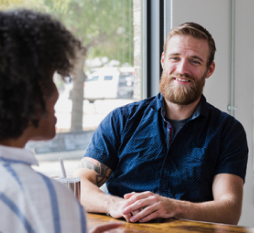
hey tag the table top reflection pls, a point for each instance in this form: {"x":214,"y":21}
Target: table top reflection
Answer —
{"x":169,"y":225}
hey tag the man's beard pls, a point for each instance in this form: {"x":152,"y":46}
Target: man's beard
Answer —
{"x":181,"y":94}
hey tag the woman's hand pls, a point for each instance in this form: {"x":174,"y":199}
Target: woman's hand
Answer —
{"x":106,"y":227}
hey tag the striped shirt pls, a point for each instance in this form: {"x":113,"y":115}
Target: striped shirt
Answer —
{"x":32,"y":202}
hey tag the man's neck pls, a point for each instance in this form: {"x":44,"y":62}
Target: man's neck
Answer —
{"x":180,"y":112}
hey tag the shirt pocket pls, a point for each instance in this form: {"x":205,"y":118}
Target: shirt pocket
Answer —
{"x":146,"y":148}
{"x":143,"y":143}
{"x":201,"y":154}
{"x":142,"y":155}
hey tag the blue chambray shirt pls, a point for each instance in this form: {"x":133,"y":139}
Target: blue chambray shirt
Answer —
{"x":134,"y":141}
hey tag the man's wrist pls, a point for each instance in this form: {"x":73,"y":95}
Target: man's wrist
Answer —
{"x":113,"y":204}
{"x":181,"y":208}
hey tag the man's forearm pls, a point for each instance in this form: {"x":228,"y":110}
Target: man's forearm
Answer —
{"x":93,"y":174}
{"x":95,"y":200}
{"x":151,"y":206}
{"x":220,"y":211}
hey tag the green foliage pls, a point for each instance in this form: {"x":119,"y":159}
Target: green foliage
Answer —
{"x":57,"y":7}
{"x":30,"y":4}
{"x":105,"y":27}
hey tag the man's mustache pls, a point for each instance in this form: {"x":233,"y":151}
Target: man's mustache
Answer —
{"x":177,"y":75}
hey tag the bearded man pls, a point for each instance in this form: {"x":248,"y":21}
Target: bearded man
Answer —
{"x":172,"y":155}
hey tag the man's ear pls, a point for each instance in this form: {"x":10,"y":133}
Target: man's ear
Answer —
{"x":162,"y":60}
{"x":210,"y":70}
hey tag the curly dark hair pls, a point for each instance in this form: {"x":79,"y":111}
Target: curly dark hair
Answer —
{"x":32,"y":46}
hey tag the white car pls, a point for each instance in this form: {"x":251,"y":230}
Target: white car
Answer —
{"x":109,"y":83}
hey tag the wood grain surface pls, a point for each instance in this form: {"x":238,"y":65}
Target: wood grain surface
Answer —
{"x":169,"y":225}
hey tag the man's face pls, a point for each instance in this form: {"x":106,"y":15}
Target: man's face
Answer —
{"x":184,"y":69}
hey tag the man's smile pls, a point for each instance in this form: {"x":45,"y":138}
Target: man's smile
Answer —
{"x":182,"y":80}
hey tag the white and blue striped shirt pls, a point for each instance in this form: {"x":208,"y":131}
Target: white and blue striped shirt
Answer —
{"x":32,"y":202}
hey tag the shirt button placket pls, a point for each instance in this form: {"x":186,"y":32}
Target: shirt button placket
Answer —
{"x":164,"y":183}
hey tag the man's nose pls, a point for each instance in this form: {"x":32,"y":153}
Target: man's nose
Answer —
{"x":183,"y":67}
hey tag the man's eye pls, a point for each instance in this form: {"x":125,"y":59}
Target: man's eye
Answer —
{"x":195,"y":62}
{"x":174,"y":58}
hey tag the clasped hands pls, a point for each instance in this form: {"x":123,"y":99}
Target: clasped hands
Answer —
{"x":145,"y":206}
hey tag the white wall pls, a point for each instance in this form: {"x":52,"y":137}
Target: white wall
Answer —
{"x":216,"y":17}
{"x":244,"y":71}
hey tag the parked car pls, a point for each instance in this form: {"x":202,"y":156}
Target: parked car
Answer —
{"x":109,"y":83}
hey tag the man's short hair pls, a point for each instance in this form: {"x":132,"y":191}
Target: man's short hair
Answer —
{"x":197,"y":31}
{"x":32,"y":46}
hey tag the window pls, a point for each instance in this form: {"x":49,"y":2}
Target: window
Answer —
{"x":106,"y":77}
{"x":94,"y":78}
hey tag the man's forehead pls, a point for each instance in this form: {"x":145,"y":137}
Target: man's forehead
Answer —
{"x":180,"y":43}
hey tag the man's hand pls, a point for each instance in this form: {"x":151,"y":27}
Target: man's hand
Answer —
{"x":146,"y":206}
{"x":116,"y":210}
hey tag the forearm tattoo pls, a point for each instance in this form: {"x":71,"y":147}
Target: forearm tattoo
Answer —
{"x":102,"y":170}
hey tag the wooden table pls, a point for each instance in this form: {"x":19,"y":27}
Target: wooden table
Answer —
{"x":170,"y":225}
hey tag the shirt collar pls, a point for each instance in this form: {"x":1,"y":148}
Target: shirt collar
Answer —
{"x":17,"y":155}
{"x":201,"y":109}
{"x":159,"y":101}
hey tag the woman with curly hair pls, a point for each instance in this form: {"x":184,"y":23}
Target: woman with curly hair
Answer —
{"x":32,"y":47}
